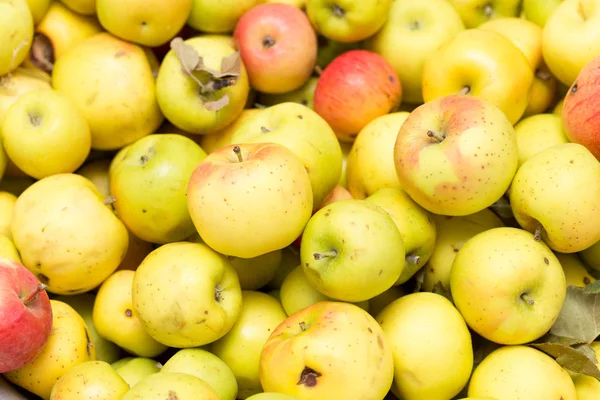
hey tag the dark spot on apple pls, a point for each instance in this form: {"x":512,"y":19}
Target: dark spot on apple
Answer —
{"x":586,"y":280}
{"x":574,"y":88}
{"x":370,"y":330}
{"x":43,"y":278}
{"x":308,"y":377}
{"x":144,"y":23}
{"x":299,"y":117}
{"x":201,"y":321}
{"x":128,"y":313}
{"x":571,"y":161}
{"x":35,"y":119}
{"x":414,"y":25}
{"x":338,"y":11}
{"x":391,"y":79}
{"x":304,"y":102}
{"x":38,"y":264}
{"x":380,"y":341}
{"x":89,"y":343}
{"x":218,"y":293}
{"x":303,"y":326}
{"x":546,"y":261}
{"x":120,"y":53}
{"x":380,"y":272}
{"x":172,"y":395}
{"x":268,"y":42}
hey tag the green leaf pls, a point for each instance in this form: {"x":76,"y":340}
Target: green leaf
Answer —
{"x":579,"y":317}
{"x":442,"y":290}
{"x":569,"y":358}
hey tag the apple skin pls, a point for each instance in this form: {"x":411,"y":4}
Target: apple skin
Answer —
{"x":538,"y":132}
{"x":588,"y":387}
{"x":576,"y":273}
{"x":580,"y":115}
{"x":330,"y":350}
{"x":591,"y":256}
{"x":176,"y":385}
{"x":518,"y":282}
{"x":475,"y":12}
{"x":16,"y":29}
{"x":278,"y":47}
{"x":134,"y":369}
{"x":538,"y":11}
{"x":19,"y":82}
{"x":355,"y":88}
{"x":235,"y":193}
{"x":27,"y":316}
{"x":303,"y":95}
{"x":218,"y":17}
{"x":470,"y":169}
{"x":222,"y":138}
{"x":91,"y":379}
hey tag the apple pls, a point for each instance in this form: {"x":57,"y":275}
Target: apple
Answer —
{"x":352,"y":250}
{"x":84,"y":7}
{"x":306,"y":134}
{"x":175,"y":385}
{"x":19,"y":82}
{"x":146,"y":23}
{"x":347,"y":20}
{"x":97,"y":172}
{"x":134,"y":369}
{"x":218,"y":17}
{"x":498,"y":71}
{"x":456,"y":155}
{"x":543,"y":92}
{"x":542,"y":202}
{"x":259,"y":317}
{"x":27,"y":321}
{"x":90,"y":379}
{"x":200,"y":102}
{"x":576,"y":273}
{"x":7,"y":206}
{"x":222,"y":138}
{"x":381,"y":301}
{"x":303,"y":95}
{"x":8,"y":249}
{"x":476,"y":12}
{"x":517,"y":371}
{"x":330,"y":350}
{"x":587,"y":387}
{"x":538,"y":11}
{"x":272,"y":396}
{"x":427,"y":365}
{"x":290,"y":259}
{"x":38,"y":9}
{"x":346,"y":147}
{"x":88,"y":75}
{"x":41,"y":120}
{"x":518,"y":282}
{"x":237,"y":190}
{"x":591,"y":256}
{"x":417,"y":28}
{"x":186,"y":295}
{"x":16,"y":27}
{"x":278,"y":47}
{"x":538,"y":132}
{"x":329,"y":49}
{"x":355,"y":88}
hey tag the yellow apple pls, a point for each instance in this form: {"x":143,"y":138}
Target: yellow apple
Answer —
{"x":290,"y":259}
{"x":171,"y":386}
{"x":591,"y":256}
{"x":588,"y":387}
{"x":538,"y":132}
{"x":8,"y":249}
{"x":557,"y":110}
{"x":134,"y":369}
{"x":476,"y":12}
{"x":84,"y":7}
{"x":91,"y":379}
{"x":576,"y":273}
{"x":38,"y":9}
{"x":17,"y":83}
{"x":97,"y":172}
{"x":16,"y":29}
{"x":272,"y":395}
{"x":218,"y":17}
{"x":346,"y":147}
{"x":379,"y":302}
{"x":7,"y":205}
{"x":222,"y":138}
{"x":538,"y":11}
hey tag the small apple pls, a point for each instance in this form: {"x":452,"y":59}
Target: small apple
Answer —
{"x":303,"y":95}
{"x":91,"y":379}
{"x":134,"y":369}
{"x":329,"y":50}
{"x":171,"y":386}
{"x":16,"y":29}
{"x":222,"y":138}
{"x":476,"y":12}
{"x":97,"y":172}
{"x":538,"y":132}
{"x":576,"y":273}
{"x":538,"y":11}
{"x":591,"y":256}
{"x":543,"y":92}
{"x":218,"y":17}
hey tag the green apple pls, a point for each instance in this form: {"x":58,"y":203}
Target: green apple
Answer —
{"x":346,"y":147}
{"x":91,"y":379}
{"x":591,"y":256}
{"x":427,"y":365}
{"x":218,"y":17}
{"x":417,"y":28}
{"x":186,"y":295}
{"x":304,"y":132}
{"x":171,"y":386}
{"x":16,"y":29}
{"x":148,"y":180}
{"x":237,"y":191}
{"x":542,"y":200}
{"x":201,"y":109}
{"x":538,"y":132}
{"x":370,"y":162}
{"x":415,"y":225}
{"x":347,"y":20}
{"x":518,"y":283}
{"x":576,"y":273}
{"x":456,"y":155}
{"x":476,"y":12}
{"x":352,"y":250}
{"x":241,"y":347}
{"x":330,"y":350}
{"x":290,"y":259}
{"x":215,"y":141}
{"x":206,"y":366}
{"x":588,"y":387}
{"x":134,"y":369}
{"x":303,"y":95}
{"x":512,"y":372}
{"x":116,"y":320}
{"x":451,"y":234}
{"x":148,"y":23}
{"x":538,"y":11}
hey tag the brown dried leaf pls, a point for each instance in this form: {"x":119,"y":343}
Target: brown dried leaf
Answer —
{"x":216,"y":105}
{"x":188,"y":57}
{"x":570,"y":358}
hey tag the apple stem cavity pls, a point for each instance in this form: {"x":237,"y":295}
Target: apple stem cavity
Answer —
{"x":488,"y":11}
{"x":327,"y":254}
{"x":42,"y":52}
{"x":413,"y":259}
{"x":218,"y":294}
{"x":308,"y":377}
{"x":437,"y":136}
{"x":268,"y":42}
{"x":338,"y":11}
{"x":34,"y":119}
{"x":465,"y":90}
{"x":34,"y":294}
{"x":527,"y":299}
{"x":238,"y":152}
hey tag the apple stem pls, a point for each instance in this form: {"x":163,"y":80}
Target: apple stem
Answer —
{"x":303,"y":326}
{"x":466,"y":90}
{"x":238,"y":152}
{"x":527,"y":299}
{"x":436,"y":136}
{"x":537,"y":235}
{"x":488,"y":11}
{"x":34,"y":294}
{"x":318,"y":70}
{"x":413,"y":259}
{"x":330,"y":253}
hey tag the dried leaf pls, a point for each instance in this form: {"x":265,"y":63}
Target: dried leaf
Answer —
{"x":569,"y":358}
{"x":216,"y":105}
{"x":442,"y":290}
{"x":579,"y":317}
{"x":188,"y":57}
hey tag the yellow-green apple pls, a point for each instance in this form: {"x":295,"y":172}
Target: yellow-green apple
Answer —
{"x":543,"y":92}
{"x":303,"y":95}
{"x":19,"y":82}
{"x":427,"y":365}
{"x":330,"y":49}
{"x":306,"y":134}
{"x":134,"y":369}
{"x":218,"y":17}
{"x":576,"y":273}
{"x":175,"y":385}
{"x":116,"y":320}
{"x":538,"y":132}
{"x":27,"y":315}
{"x":370,"y":162}
{"x":236,"y":191}
{"x":16,"y":29}
{"x":148,"y":181}
{"x":518,"y":282}
{"x":415,"y":224}
{"x":84,"y":7}
{"x":381,"y":301}
{"x":579,"y":108}
{"x":346,"y":147}
{"x":88,"y":74}
{"x":66,"y":235}
{"x":451,"y":234}
{"x":7,"y":206}
{"x":591,"y":256}
{"x":290,"y":259}
{"x":352,"y":250}
{"x":260,"y":316}
{"x":194,"y":99}
{"x":347,"y":20}
{"x":8,"y":249}
{"x":456,"y":155}
{"x":278,"y":46}
{"x":206,"y":366}
{"x":40,"y":120}
{"x":38,"y":9}
{"x":222,"y":138}
{"x":272,"y":395}
{"x":569,"y":38}
{"x":328,"y":350}
{"x":69,"y":344}
{"x":417,"y":28}
{"x":97,"y":172}
{"x":476,"y":12}
{"x":483,"y":64}
{"x":146,"y":23}
{"x":542,"y":201}
{"x":559,"y":107}
{"x":588,"y":387}
{"x":91,"y":379}
{"x":355,"y":88}
{"x":186,"y":294}
{"x":538,"y":11}
{"x":512,"y":372}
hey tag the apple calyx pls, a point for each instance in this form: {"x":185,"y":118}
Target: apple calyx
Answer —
{"x":218,"y":294}
{"x":412,"y":259}
{"x":303,"y":326}
{"x":34,"y":119}
{"x":527,"y":298}
{"x":238,"y":152}
{"x":414,"y":25}
{"x":268,"y":42}
{"x":41,"y":53}
{"x":34,"y":294}
{"x":308,"y":377}
{"x":128,"y":313}
{"x":338,"y":11}
{"x":328,"y":254}
{"x":437,"y":136}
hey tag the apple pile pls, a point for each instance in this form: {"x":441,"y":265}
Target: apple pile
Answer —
{"x":300,"y":199}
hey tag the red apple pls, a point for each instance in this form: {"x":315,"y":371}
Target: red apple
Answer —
{"x":278,"y":46}
{"x":355,"y":88}
{"x":581,"y":108}
{"x":25,"y":315}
